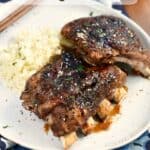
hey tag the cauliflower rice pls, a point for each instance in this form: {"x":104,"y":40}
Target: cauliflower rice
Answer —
{"x":30,"y":51}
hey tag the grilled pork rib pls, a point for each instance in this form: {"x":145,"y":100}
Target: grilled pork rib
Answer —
{"x":70,"y":92}
{"x":106,"y":39}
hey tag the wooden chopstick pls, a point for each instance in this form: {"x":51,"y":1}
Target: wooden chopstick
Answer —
{"x":22,"y":10}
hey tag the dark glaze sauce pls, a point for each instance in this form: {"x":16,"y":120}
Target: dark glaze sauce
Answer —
{"x":115,"y":111}
{"x":46,"y":128}
{"x":100,"y":126}
{"x":70,"y":92}
{"x":108,"y":121}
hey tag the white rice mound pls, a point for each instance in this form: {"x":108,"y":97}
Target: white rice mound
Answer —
{"x":28,"y":53}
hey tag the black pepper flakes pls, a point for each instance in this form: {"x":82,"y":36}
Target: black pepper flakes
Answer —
{"x":21,"y":112}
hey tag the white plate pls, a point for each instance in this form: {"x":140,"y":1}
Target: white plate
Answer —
{"x":23,"y":129}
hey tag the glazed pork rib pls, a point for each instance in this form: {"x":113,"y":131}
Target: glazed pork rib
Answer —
{"x":68,"y":93}
{"x":106,"y":39}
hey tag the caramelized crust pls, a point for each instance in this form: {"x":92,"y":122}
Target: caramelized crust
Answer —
{"x":106,"y":40}
{"x":70,"y":92}
{"x":101,"y":37}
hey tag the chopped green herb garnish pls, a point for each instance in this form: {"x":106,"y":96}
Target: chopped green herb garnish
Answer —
{"x":80,"y":68}
{"x":5,"y":50}
{"x":23,"y":58}
{"x":69,"y":78}
{"x":19,"y":54}
{"x":14,"y":63}
{"x":91,"y":13}
{"x":72,"y":97}
{"x":87,"y":24}
{"x":35,"y":102}
{"x":4,"y":127}
{"x":19,"y":48}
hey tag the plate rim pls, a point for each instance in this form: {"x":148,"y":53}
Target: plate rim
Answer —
{"x":98,"y":6}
